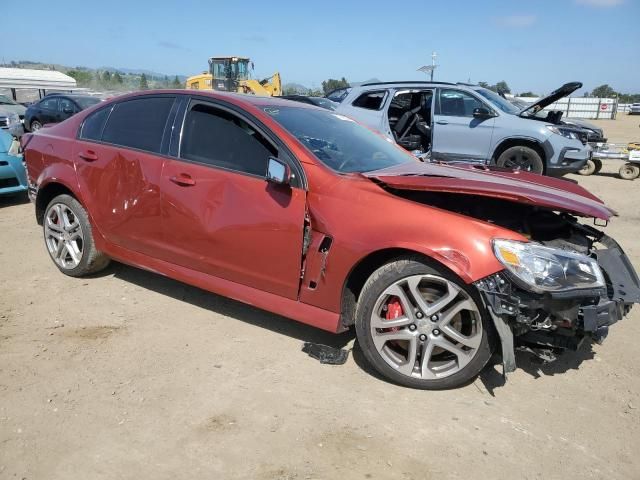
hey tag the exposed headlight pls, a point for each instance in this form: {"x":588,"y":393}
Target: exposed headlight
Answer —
{"x":565,"y":132}
{"x":544,"y":269}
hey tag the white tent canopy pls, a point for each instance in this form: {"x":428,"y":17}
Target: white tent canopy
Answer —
{"x":37,"y":79}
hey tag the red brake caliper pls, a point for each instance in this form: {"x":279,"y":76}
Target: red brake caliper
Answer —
{"x":394,"y":309}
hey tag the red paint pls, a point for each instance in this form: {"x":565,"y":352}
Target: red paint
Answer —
{"x":241,"y":237}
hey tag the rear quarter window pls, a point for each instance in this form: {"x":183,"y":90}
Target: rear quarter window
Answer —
{"x":371,"y":100}
{"x":94,"y":124}
{"x":138,"y":123}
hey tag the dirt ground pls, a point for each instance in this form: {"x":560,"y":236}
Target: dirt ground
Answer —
{"x":131,"y":375}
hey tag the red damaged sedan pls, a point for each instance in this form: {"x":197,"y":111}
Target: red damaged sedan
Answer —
{"x":305,"y":213}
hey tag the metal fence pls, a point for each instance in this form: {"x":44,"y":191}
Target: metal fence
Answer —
{"x":582,"y":107}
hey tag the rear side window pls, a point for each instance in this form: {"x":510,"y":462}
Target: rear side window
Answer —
{"x":138,"y":123}
{"x":218,"y":138}
{"x":49,"y":104}
{"x":371,"y":100}
{"x":94,"y":124}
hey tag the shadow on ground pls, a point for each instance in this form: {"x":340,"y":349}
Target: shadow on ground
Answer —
{"x":226,"y":306}
{"x":12,"y":200}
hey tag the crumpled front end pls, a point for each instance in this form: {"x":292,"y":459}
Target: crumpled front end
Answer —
{"x":547,"y":324}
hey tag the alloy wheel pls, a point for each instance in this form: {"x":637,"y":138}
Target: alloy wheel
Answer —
{"x":63,"y":236}
{"x":426,"y":327}
{"x":519,"y":161}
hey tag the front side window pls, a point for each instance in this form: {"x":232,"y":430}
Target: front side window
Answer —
{"x":456,"y":103}
{"x":337,"y":141}
{"x":216,"y":137}
{"x":138,"y":123}
{"x":371,"y":100}
{"x":66,"y":106}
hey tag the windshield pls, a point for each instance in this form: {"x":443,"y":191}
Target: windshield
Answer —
{"x":337,"y":141}
{"x":86,"y":102}
{"x":4,"y":100}
{"x":502,"y":103}
{"x":324,"y":103}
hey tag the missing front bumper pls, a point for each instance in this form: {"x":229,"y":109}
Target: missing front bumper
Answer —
{"x":547,"y":324}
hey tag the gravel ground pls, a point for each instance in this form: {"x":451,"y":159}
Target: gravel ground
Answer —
{"x":131,"y":375}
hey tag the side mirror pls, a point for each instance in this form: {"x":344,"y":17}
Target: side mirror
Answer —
{"x":482,"y":113}
{"x":278,"y":172}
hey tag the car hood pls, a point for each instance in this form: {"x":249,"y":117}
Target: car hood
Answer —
{"x":468,"y":179}
{"x":11,"y":108}
{"x":563,"y":91}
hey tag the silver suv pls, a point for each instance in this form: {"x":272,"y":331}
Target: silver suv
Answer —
{"x":461,"y":122}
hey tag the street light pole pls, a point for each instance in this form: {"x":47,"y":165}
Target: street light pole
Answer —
{"x":433,"y":63}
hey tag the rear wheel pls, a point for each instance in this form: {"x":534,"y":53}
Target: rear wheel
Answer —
{"x":589,"y":168}
{"x":521,"y":158}
{"x":629,"y":171}
{"x":421,"y":327}
{"x":69,"y":240}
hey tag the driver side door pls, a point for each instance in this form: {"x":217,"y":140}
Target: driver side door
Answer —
{"x":456,"y":134}
{"x":220,"y":215}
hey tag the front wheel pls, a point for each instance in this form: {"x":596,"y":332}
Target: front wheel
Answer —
{"x":35,"y":125}
{"x":422,"y":327}
{"x":521,"y":158}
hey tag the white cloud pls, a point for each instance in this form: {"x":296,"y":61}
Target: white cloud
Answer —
{"x":600,"y":3}
{"x":517,"y":21}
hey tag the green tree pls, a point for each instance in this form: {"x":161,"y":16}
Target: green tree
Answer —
{"x":176,"y":83}
{"x":333,"y":84}
{"x":144,"y":84}
{"x":502,"y":87}
{"x":484,"y":85}
{"x":106,"y":78}
{"x":83,"y":77}
{"x":603,"y":91}
{"x":117,"y":78}
{"x":528,"y":94}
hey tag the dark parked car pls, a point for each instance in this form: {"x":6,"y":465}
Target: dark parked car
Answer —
{"x":56,"y":108}
{"x":317,"y":101}
{"x":308,"y":214}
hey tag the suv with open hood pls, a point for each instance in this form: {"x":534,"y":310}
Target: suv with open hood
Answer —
{"x":460,"y":122}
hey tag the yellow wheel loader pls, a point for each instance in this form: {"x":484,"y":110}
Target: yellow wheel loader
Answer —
{"x":231,"y":74}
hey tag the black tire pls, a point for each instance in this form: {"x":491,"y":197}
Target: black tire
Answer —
{"x":521,"y":158}
{"x":629,"y":171}
{"x":588,"y":169}
{"x":92,"y":260}
{"x":375,"y":287}
{"x":598,"y":164}
{"x":35,"y":125}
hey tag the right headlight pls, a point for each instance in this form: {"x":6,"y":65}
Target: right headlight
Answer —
{"x":545,"y":269}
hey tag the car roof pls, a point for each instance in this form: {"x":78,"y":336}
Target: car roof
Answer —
{"x":240,"y":99}
{"x":405,"y":82}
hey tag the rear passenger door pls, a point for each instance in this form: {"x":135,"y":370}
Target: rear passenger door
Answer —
{"x":48,"y":110}
{"x":456,"y":134}
{"x":220,"y":215}
{"x":119,"y":161}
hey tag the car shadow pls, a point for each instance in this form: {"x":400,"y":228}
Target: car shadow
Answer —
{"x":226,"y":306}
{"x":13,"y":200}
{"x":492,"y":377}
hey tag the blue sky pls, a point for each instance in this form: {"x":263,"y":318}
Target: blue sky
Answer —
{"x":533,"y":45}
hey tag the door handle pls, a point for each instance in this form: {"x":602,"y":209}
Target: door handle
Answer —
{"x":183,"y":180}
{"x":89,"y":156}
{"x":442,"y":122}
